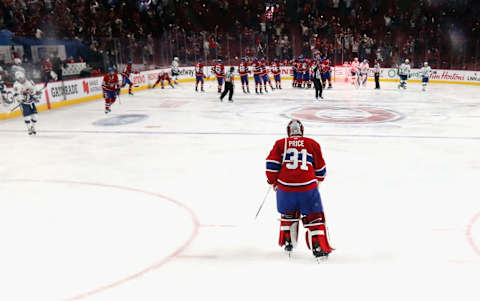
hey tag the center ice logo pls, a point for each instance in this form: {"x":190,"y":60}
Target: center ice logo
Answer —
{"x":121,"y":120}
{"x":357,"y":114}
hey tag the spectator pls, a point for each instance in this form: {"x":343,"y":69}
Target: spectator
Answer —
{"x":57,"y":65}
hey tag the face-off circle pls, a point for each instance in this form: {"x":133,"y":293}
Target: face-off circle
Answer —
{"x":356,"y":114}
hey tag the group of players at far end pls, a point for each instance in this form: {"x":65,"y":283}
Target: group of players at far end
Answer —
{"x":303,"y":73}
{"x":260,"y":69}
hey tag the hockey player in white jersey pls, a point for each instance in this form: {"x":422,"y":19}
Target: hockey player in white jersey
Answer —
{"x":175,"y":70}
{"x":404,"y":73}
{"x":426,"y":71}
{"x":363,"y":69}
{"x":16,"y":67}
{"x":25,"y":94}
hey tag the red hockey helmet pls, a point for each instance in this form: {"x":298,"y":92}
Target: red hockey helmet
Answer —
{"x":295,"y":128}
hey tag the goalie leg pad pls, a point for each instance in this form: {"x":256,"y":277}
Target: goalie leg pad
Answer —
{"x":289,"y":228}
{"x":316,"y":234}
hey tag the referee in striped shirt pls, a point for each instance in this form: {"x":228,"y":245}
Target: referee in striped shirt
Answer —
{"x":228,"y":85}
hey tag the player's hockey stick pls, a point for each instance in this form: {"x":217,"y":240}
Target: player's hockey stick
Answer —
{"x":14,"y":108}
{"x":118,"y":96}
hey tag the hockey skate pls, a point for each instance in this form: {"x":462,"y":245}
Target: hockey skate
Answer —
{"x":107,"y":110}
{"x":319,"y":254}
{"x":288,"y":247}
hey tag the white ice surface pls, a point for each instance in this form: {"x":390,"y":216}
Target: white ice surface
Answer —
{"x":91,"y":212}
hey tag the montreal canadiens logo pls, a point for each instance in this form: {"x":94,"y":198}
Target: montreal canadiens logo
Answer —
{"x":357,"y":114}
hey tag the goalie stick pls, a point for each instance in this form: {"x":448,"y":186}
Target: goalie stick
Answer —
{"x":270,"y":187}
{"x":263,"y":202}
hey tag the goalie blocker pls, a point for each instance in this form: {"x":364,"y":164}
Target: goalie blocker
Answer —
{"x":294,"y":167}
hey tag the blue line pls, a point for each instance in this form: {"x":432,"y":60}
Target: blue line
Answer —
{"x":244,"y":134}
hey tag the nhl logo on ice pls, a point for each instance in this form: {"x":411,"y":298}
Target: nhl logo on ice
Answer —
{"x":355,"y":114}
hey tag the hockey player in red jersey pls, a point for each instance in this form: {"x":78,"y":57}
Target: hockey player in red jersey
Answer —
{"x":301,"y":72}
{"x":326,"y":74}
{"x":264,"y":75}
{"x":257,"y":70}
{"x":219,"y":70}
{"x":243,"y":71}
{"x":294,"y":167}
{"x":199,"y":75}
{"x":276,"y":73}
{"x":111,"y":88}
{"x":126,"y":77}
{"x":163,"y":76}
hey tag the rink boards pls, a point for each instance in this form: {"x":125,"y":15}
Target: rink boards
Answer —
{"x":60,"y":94}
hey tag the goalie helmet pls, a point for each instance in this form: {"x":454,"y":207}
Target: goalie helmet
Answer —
{"x":425,"y":64}
{"x":295,"y":128}
{"x":407,"y":61}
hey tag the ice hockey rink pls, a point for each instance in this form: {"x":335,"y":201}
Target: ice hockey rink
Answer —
{"x":156,"y":201}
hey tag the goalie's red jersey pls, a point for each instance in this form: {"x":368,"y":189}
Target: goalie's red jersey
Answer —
{"x":302,"y":168}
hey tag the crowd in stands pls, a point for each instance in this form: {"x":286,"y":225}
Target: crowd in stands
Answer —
{"x":444,"y":32}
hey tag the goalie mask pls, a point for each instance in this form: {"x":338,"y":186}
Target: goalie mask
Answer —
{"x":295,"y":128}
